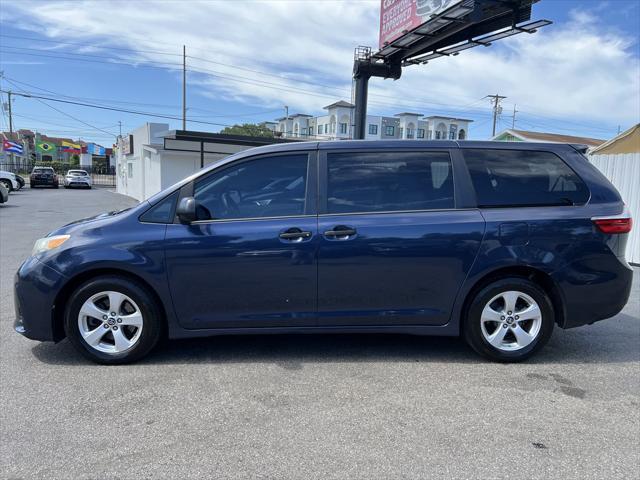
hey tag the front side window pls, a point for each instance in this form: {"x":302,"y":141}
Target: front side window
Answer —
{"x":389,"y":181}
{"x":510,"y":178}
{"x":264,"y":187}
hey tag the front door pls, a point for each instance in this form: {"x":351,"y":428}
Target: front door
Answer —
{"x":250,"y":258}
{"x":393,"y":249}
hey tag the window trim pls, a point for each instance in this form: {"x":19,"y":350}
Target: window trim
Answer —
{"x":463,"y":160}
{"x":323,"y":178}
{"x":311,"y":194}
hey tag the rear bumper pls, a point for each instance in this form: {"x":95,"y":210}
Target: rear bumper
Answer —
{"x":594,"y":289}
{"x":35,"y":288}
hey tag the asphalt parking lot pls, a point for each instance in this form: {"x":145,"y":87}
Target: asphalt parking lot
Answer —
{"x":303,"y":407}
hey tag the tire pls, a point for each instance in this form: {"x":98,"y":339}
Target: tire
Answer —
{"x":7,"y":184}
{"x":81,"y":329}
{"x":511,"y":337}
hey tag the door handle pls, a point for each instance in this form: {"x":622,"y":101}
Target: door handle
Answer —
{"x":340,"y":231}
{"x":294,"y":234}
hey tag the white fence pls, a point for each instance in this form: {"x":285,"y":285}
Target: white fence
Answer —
{"x":623,"y":170}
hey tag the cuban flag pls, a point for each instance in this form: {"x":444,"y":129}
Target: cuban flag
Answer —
{"x":12,"y":147}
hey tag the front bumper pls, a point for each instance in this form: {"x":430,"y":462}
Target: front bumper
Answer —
{"x":36,"y":286}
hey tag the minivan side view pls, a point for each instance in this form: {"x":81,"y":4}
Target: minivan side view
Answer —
{"x":494,"y":242}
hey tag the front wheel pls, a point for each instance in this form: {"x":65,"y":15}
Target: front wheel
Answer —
{"x":8,"y":185}
{"x":509,"y":320}
{"x":113,"y":320}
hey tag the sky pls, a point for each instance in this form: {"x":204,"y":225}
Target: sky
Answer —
{"x":247,"y":59}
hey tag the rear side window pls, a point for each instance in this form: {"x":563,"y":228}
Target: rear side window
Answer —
{"x":389,"y":181}
{"x":512,"y":178}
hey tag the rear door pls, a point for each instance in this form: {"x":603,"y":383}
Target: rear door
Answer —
{"x":393,"y":247}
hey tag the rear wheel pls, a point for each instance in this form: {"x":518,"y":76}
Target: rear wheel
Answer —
{"x":113,"y":320}
{"x":509,"y":320}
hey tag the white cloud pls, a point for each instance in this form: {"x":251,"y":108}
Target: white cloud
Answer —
{"x":572,"y":71}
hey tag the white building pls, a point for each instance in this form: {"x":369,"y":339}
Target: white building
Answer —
{"x":337,"y":124}
{"x":152,"y":158}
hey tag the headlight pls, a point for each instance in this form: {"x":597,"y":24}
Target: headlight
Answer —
{"x":49,"y":243}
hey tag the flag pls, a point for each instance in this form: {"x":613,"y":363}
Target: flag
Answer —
{"x":12,"y":147}
{"x":46,"y":148}
{"x":72,"y":146}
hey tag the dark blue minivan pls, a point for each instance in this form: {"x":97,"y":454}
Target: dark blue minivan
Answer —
{"x":496,"y":242}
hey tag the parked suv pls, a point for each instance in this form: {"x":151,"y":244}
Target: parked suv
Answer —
{"x":497,"y":242}
{"x":43,"y":176}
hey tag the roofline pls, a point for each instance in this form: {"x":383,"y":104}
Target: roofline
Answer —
{"x":450,"y":118}
{"x":627,"y":132}
{"x":209,"y":137}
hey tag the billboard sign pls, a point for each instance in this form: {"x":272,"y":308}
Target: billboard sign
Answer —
{"x":398,"y":17}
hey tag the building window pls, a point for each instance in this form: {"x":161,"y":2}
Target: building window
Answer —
{"x":429,"y":134}
{"x":343,"y":128}
{"x":438,"y":133}
{"x":130,"y":170}
{"x":304,"y":132}
{"x":421,"y":133}
{"x":390,"y":131}
{"x":410,"y":133}
{"x":373,"y":129}
{"x":462,"y":134}
{"x":400,"y":131}
{"x":453,"y":132}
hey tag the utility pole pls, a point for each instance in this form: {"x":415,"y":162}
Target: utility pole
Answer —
{"x":184,"y":87}
{"x":513,"y":122}
{"x":496,"y":107}
{"x":119,"y":128}
{"x":10,"y":124}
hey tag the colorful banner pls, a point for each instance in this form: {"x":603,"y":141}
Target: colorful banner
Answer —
{"x":95,"y":149}
{"x":12,"y":147}
{"x":398,"y":17}
{"x":72,"y":146}
{"x":48,"y":148}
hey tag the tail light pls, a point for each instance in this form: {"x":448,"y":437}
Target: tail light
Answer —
{"x":614,"y":224}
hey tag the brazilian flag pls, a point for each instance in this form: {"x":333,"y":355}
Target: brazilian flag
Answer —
{"x":46,"y":147}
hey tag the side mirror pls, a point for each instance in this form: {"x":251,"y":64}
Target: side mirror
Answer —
{"x":186,"y":210}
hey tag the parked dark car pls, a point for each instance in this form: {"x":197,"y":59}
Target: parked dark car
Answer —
{"x":497,"y":242}
{"x":43,"y":176}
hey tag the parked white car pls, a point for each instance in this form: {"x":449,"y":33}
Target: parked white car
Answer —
{"x":8,"y":179}
{"x":77,"y":178}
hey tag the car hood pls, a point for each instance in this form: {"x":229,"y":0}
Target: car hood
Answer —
{"x":105,"y":217}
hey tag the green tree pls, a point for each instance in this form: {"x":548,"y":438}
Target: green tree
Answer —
{"x":248,"y":130}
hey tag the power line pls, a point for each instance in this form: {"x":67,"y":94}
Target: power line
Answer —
{"x":166,"y":65}
{"x":102,"y":107}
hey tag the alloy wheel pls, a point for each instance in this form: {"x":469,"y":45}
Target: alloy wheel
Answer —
{"x":511,"y":321}
{"x":110,"y":322}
